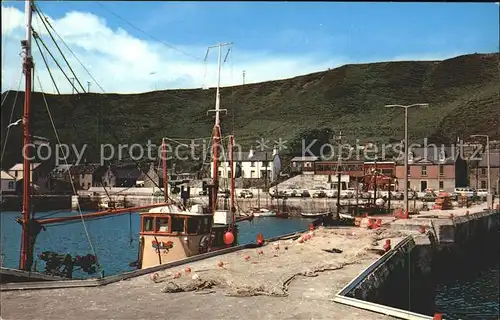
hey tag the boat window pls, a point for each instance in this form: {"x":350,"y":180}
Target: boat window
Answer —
{"x":192,"y":225}
{"x":147,"y":224}
{"x":205,"y":225}
{"x":162,"y":224}
{"x":177,"y":224}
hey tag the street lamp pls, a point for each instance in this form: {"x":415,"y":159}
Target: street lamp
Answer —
{"x":487,"y":160}
{"x":423,"y":105}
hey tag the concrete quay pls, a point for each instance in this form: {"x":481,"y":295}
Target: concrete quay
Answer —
{"x":286,"y":279}
{"x":298,"y":281}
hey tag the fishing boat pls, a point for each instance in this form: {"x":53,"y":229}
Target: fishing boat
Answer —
{"x":283,"y":214}
{"x":263,"y":212}
{"x":169,"y":231}
{"x":313,"y":214}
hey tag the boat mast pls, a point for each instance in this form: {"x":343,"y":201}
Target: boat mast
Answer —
{"x":232,"y":207}
{"x":164,"y":165}
{"x":217,"y":132}
{"x":27,"y":70}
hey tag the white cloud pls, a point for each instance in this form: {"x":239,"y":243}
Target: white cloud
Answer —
{"x":123,"y":63}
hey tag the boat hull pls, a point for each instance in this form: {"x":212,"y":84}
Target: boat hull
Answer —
{"x":314,"y":215}
{"x":8,"y":275}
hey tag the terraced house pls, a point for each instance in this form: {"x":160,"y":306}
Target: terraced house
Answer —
{"x":479,"y":172}
{"x":436,"y":168}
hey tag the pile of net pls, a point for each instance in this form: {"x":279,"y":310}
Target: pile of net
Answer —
{"x":268,"y":271}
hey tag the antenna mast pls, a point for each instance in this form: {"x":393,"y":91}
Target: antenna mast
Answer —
{"x":217,"y":132}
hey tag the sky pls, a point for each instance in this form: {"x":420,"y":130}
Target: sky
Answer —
{"x":131,"y":47}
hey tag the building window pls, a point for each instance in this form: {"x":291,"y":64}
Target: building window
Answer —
{"x":441,"y":185}
{"x":483,"y":184}
{"x":441,"y":170}
{"x":252,"y":163}
{"x":423,"y":171}
{"x":83,"y":176}
{"x":11,"y":185}
{"x":387,"y":172}
{"x":408,"y":171}
{"x":483,"y":171}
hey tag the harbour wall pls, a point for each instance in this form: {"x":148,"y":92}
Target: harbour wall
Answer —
{"x":405,"y":277}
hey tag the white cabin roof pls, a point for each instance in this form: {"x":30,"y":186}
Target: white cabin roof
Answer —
{"x":6,"y":176}
{"x":20,"y":166}
{"x":172,"y":209}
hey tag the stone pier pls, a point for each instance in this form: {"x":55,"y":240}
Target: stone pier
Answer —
{"x":293,"y":278}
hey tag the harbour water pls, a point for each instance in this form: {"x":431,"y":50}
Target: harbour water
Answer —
{"x":114,"y":238}
{"x":472,"y":297}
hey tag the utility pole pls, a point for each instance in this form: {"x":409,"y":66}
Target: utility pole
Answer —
{"x":244,"y":77}
{"x":72,"y":85}
{"x":339,"y":175}
{"x":406,"y":149}
{"x":489,"y":196}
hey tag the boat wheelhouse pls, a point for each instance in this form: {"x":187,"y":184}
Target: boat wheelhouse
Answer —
{"x":171,"y":233}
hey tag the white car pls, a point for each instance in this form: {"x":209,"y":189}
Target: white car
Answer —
{"x":482,"y":193}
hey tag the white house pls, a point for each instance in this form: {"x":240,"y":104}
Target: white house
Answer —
{"x":253,"y":164}
{"x":8,"y":183}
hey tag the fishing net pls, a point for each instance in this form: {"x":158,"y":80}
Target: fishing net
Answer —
{"x":271,"y":269}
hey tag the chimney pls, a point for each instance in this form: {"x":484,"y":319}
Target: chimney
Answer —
{"x":275,"y":150}
{"x":250,"y":154}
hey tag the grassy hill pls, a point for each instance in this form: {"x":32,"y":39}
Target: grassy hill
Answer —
{"x":463,"y":93}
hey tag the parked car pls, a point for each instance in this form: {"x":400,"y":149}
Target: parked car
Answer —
{"x":305,"y":194}
{"x":429,"y":197}
{"x":469,"y":192}
{"x":319,"y":194}
{"x":276,"y":195}
{"x":482,"y":193}
{"x":246,"y":194}
{"x":224,"y":193}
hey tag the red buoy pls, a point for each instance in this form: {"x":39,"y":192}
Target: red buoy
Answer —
{"x":260,"y":239}
{"x":437,"y":316}
{"x":247,"y":258}
{"x":387,"y":245}
{"x":187,"y":270}
{"x":422,"y":229}
{"x":228,"y":238}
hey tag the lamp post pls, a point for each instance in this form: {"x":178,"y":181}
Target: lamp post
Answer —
{"x":487,"y":161}
{"x":424,"y":105}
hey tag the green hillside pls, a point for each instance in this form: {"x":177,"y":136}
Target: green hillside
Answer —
{"x":463,"y":94}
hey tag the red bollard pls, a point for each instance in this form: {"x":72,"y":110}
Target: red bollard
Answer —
{"x":387,"y":245}
{"x":437,"y":316}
